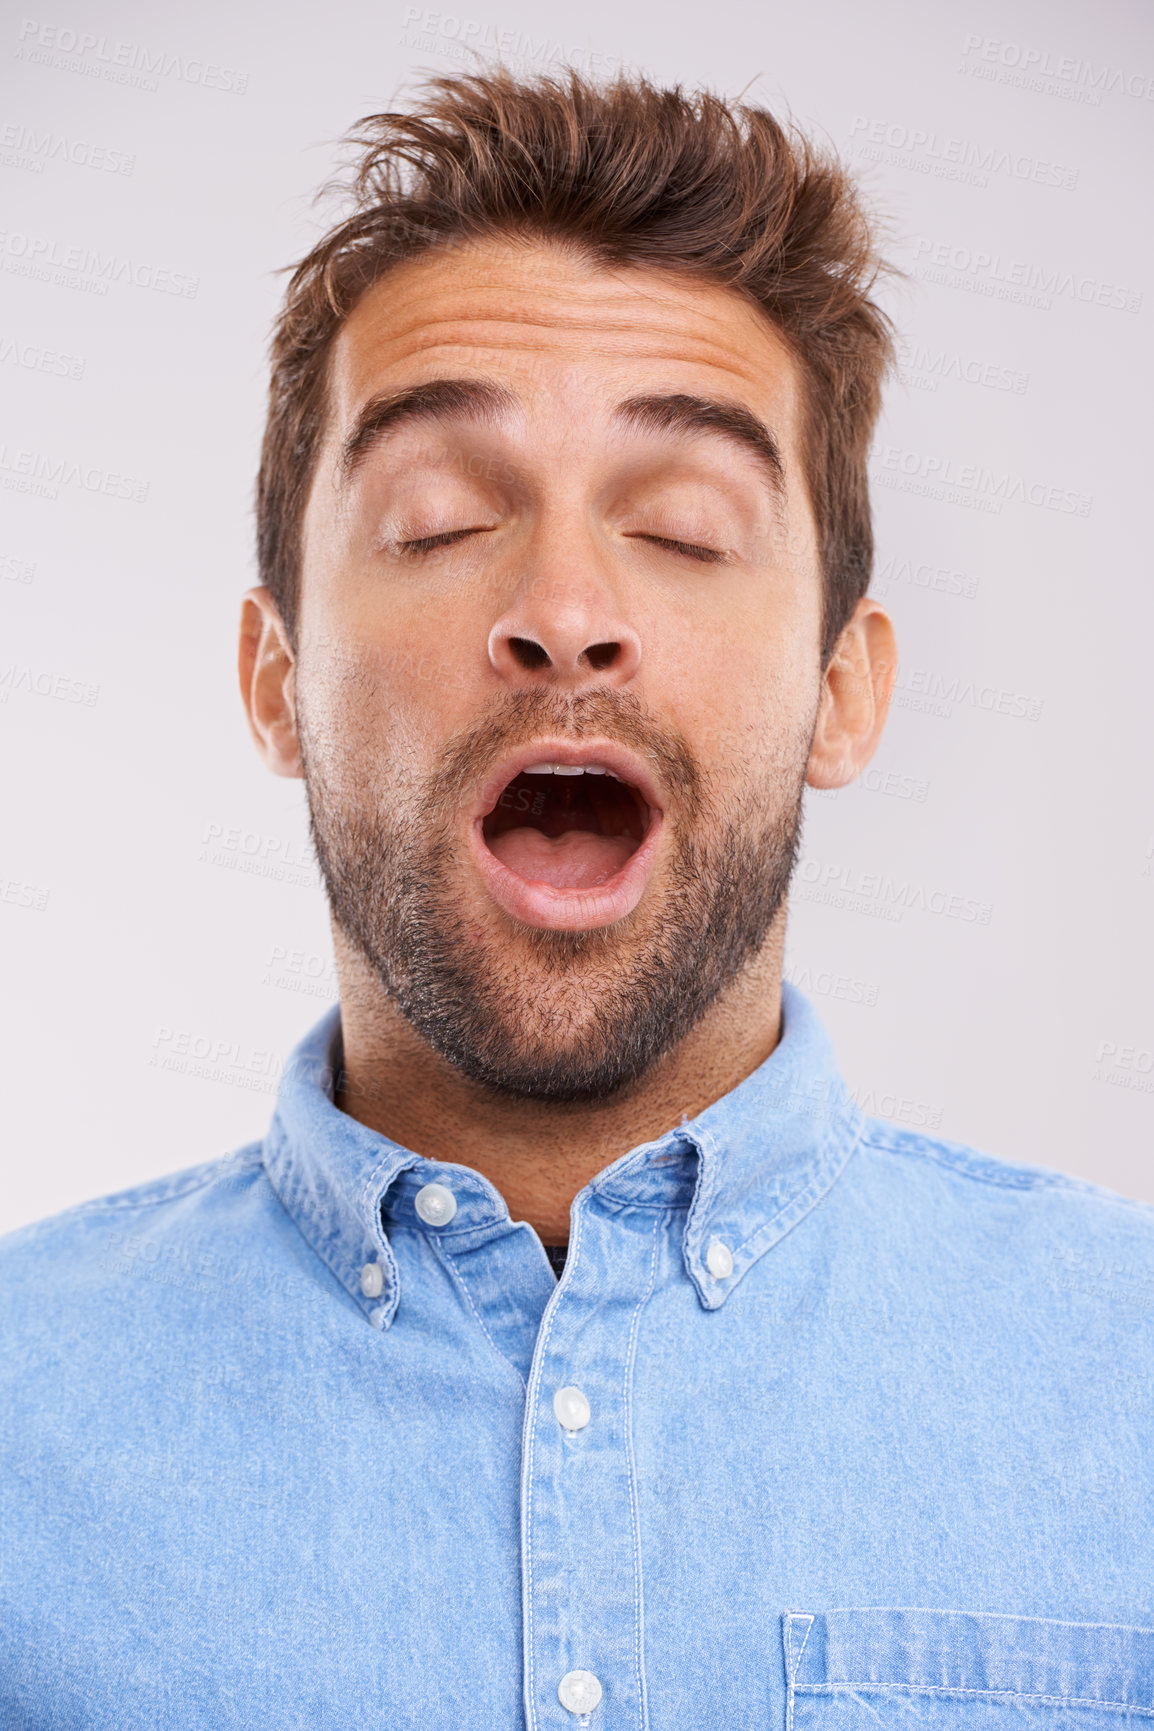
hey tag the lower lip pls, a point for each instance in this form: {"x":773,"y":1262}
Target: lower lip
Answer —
{"x":560,"y":910}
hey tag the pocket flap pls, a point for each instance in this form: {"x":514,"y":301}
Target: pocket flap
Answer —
{"x":967,"y":1654}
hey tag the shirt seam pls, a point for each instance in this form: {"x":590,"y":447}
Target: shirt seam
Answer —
{"x":801,"y":1649}
{"x":318,"y":1255}
{"x":459,"y":1279}
{"x":529,"y":1443}
{"x":634,"y":1505}
{"x":622,"y":1204}
{"x":963,"y":1164}
{"x":985,"y":1616}
{"x":219,"y":1170}
{"x":335,"y":1253}
{"x":872,"y":1683}
{"x":823,"y":1175}
{"x":793,"y":1660}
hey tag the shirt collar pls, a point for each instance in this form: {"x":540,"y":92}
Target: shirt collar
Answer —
{"x":750,"y":1166}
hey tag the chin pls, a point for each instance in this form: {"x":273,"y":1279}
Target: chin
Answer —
{"x":551,"y":1034}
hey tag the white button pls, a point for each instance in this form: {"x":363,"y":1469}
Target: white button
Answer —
{"x":573,"y":1413}
{"x":579,"y":1691}
{"x":372,"y":1280}
{"x":436,"y":1204}
{"x":719,"y":1260}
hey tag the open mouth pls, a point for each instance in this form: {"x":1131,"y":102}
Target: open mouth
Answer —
{"x":569,"y":825}
{"x":568,"y":839}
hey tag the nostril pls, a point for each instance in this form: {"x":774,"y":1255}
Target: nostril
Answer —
{"x":528,"y":654}
{"x":601,"y":655}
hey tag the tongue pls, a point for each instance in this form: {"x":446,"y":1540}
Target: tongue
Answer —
{"x":576,"y":860}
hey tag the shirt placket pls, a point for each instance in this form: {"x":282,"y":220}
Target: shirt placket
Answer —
{"x":581,"y":1560}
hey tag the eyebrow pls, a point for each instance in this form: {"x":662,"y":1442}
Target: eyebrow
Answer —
{"x":436,"y":400}
{"x":482,"y":400}
{"x":680,"y":413}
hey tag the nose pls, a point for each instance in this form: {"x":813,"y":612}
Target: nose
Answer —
{"x":564,"y":631}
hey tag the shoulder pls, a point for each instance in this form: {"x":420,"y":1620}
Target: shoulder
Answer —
{"x":969,"y":1166}
{"x":155,"y":1195}
{"x":955,"y":1180}
{"x":155,"y":1225}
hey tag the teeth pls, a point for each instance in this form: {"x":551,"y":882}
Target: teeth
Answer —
{"x":569,"y":769}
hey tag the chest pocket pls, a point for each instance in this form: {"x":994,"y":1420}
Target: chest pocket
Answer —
{"x":878,"y":1669}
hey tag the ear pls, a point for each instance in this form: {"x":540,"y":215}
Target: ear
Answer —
{"x":267,"y":669}
{"x":856,"y":689}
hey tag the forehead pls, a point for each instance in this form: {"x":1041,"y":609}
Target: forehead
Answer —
{"x":550,"y":323}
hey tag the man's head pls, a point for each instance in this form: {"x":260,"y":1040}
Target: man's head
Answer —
{"x":565,"y":534}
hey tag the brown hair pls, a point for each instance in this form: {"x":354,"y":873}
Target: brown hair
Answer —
{"x":632,"y":175}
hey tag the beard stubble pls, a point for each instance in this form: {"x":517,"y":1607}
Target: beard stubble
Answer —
{"x":553,"y":1016}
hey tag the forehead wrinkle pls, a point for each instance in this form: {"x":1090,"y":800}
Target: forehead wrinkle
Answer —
{"x":505,"y":326}
{"x":473,"y":348}
{"x":424,"y":311}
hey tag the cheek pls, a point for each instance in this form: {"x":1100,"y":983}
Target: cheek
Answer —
{"x":361,"y":712}
{"x":420,"y":639}
{"x":753,"y":719}
{"x":741,"y":694}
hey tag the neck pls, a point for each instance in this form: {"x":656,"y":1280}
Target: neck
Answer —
{"x":538,"y":1154}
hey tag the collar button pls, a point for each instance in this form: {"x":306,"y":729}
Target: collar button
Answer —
{"x":435,"y":1204}
{"x":372,"y":1280}
{"x":719,"y":1260}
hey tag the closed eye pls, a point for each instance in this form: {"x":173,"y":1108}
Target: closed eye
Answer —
{"x":429,"y":543}
{"x":688,"y":549}
{"x":448,"y":537}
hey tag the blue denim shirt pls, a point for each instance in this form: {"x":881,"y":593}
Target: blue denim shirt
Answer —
{"x":858,"y":1432}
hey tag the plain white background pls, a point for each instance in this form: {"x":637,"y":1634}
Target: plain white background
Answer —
{"x":973,"y":921}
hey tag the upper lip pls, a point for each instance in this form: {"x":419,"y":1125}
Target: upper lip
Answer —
{"x":625,"y":764}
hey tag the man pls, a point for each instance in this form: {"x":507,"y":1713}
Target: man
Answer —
{"x":565,"y":540}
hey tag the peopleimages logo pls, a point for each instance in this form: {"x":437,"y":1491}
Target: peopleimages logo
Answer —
{"x":823,"y":982}
{"x":42,"y":682}
{"x":96,"y":56}
{"x":25,"y":147}
{"x":898,"y":1108}
{"x":934,"y":693}
{"x":971,"y":484}
{"x":81,"y":267}
{"x":315,"y":976}
{"x":928,"y":152}
{"x":879,"y":896}
{"x":924,"y":368}
{"x":1124,"y":1066}
{"x":920,"y":574}
{"x":36,"y":359}
{"x":266,"y":856}
{"x":188,"y":1053}
{"x":1016,"y":280}
{"x":41,"y":475}
{"x":14,"y":892}
{"x":432,"y":31}
{"x":1038,"y":69}
{"x":13,"y":570}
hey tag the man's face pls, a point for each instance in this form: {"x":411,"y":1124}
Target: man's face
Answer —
{"x":558,"y":660}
